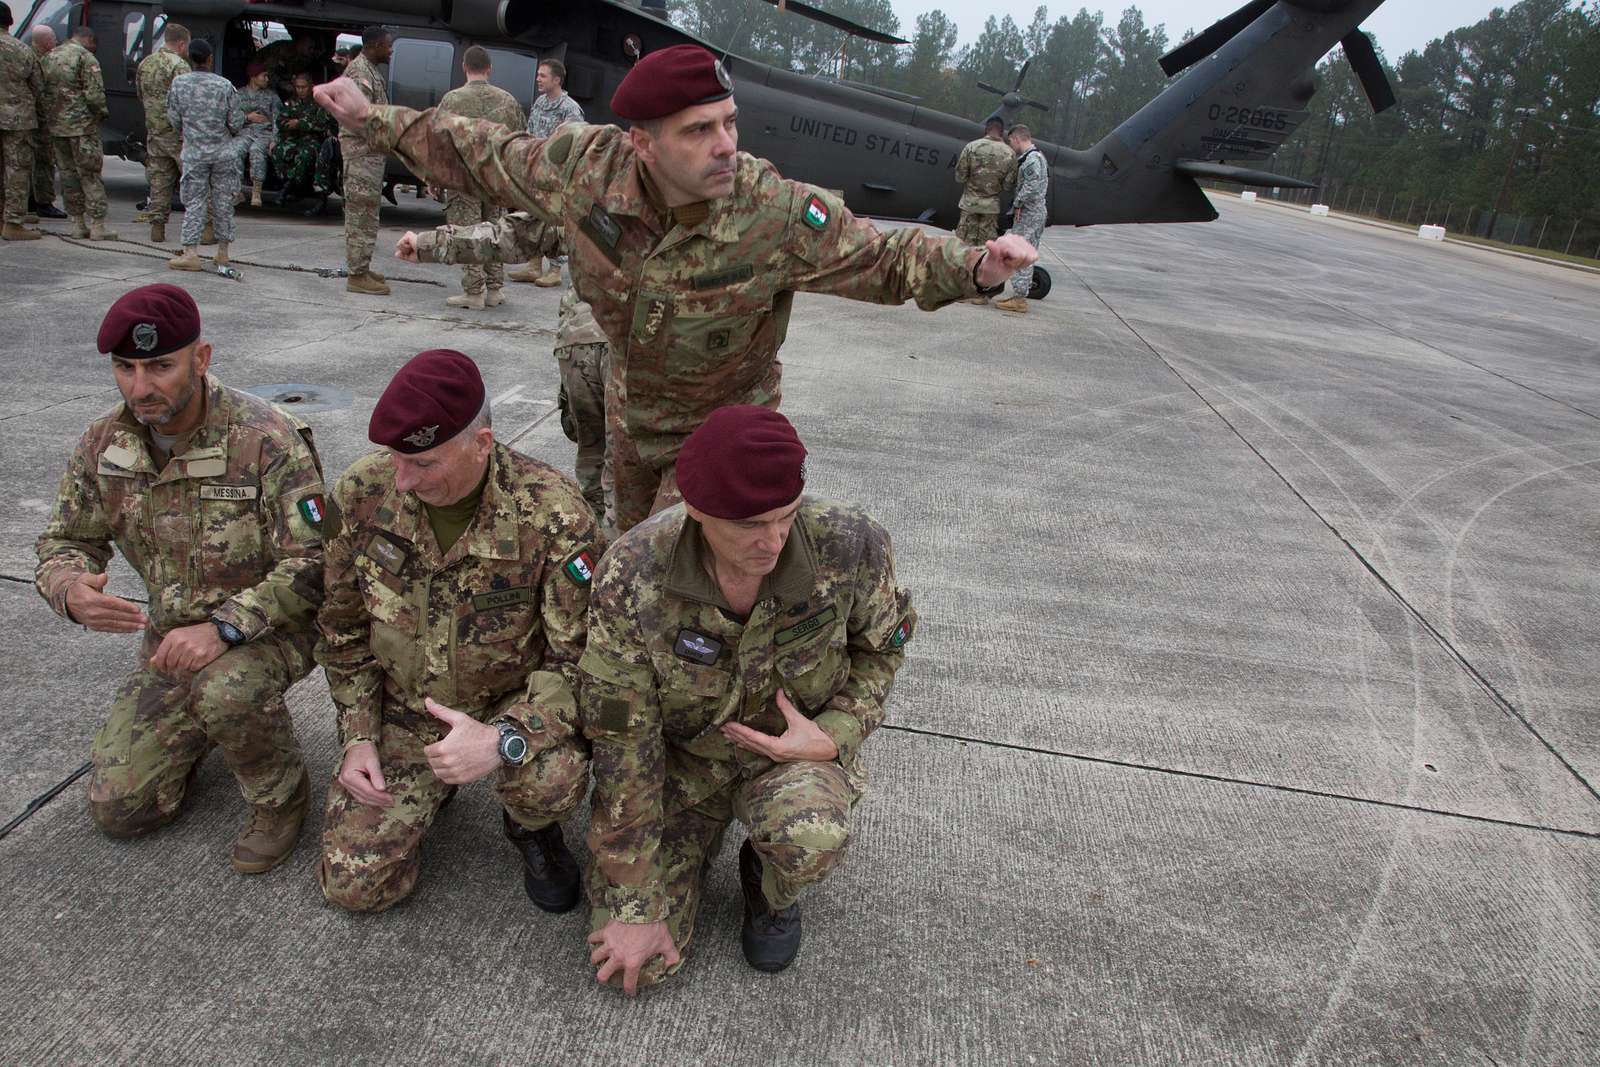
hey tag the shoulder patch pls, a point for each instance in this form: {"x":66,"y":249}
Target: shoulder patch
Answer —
{"x":902,"y":633}
{"x":579,"y":567}
{"x":313,"y":509}
{"x":559,"y":148}
{"x":815,"y":213}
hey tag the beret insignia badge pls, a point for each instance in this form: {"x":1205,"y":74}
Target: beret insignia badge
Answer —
{"x":421,"y":438}
{"x":722,"y":76}
{"x":145,"y":336}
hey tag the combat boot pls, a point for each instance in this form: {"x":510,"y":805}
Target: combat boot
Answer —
{"x":30,"y":219}
{"x":208,"y":236}
{"x":549,"y":873}
{"x":142,"y":215}
{"x":493,"y":298}
{"x":1017,"y":304}
{"x":158,"y":233}
{"x":188,"y":259}
{"x":98,"y":231}
{"x":550,"y":278}
{"x":366,"y":283}
{"x":979,"y":300}
{"x":475,"y":301}
{"x":269,"y":835}
{"x":771,"y":939}
{"x":375,"y":276}
{"x":48,"y":211}
{"x":255,"y":195}
{"x":13,"y":232}
{"x":528,"y":272}
{"x":220,"y":257}
{"x":79,"y":228}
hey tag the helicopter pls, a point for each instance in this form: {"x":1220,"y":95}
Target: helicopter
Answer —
{"x":1239,"y":90}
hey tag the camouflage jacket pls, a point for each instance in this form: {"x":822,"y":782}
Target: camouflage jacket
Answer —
{"x":545,"y":117}
{"x":75,"y":96}
{"x":493,"y":627}
{"x":575,"y":324}
{"x":156,"y":74}
{"x":370,"y":81}
{"x":694,"y":300}
{"x":667,"y":665}
{"x":204,"y":110}
{"x":312,"y":122}
{"x":480,"y":100}
{"x":228,"y":528}
{"x":1033,"y":182}
{"x":21,"y":86}
{"x":986,"y":168}
{"x":265,"y":101}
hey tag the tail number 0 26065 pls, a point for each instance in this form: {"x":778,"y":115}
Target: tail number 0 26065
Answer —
{"x":1260,"y":118}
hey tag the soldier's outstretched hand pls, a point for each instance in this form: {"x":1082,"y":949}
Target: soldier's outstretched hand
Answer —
{"x":361,"y":774}
{"x":406,"y":247}
{"x":802,"y":739}
{"x":343,"y":99}
{"x":1007,"y":255}
{"x":90,"y":606}
{"x":468,"y":752}
{"x":627,"y":947}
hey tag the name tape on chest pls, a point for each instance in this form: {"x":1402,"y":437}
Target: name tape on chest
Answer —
{"x":229,"y":492}
{"x":503,"y":598}
{"x":806,"y":627}
{"x":732,"y":276}
{"x":697,"y":648}
{"x":604,"y":231}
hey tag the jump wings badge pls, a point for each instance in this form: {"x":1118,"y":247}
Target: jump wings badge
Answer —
{"x":422,"y":438}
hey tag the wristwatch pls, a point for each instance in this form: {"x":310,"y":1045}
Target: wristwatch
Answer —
{"x":231,"y":635}
{"x":513,"y":746}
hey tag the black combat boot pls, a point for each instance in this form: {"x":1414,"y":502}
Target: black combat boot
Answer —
{"x":549,"y":873}
{"x":771,"y":939}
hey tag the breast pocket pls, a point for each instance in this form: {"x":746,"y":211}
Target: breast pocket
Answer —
{"x":230,"y":535}
{"x":815,"y":668}
{"x":700,"y":345}
{"x":393,"y":621}
{"x":692,"y":697}
{"x":496,"y":637}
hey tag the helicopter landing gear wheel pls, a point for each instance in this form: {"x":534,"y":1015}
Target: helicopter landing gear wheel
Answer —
{"x":1041,"y":284}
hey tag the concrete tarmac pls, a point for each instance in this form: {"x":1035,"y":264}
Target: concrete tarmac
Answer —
{"x":1251,"y":718}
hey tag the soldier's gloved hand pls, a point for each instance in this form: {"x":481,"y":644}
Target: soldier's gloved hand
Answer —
{"x":361,"y":774}
{"x":406,"y":247}
{"x":187,"y":649}
{"x":802,"y":740}
{"x":1007,"y":255}
{"x":627,"y":947}
{"x":343,"y":99}
{"x":105,"y":614}
{"x":468,"y":752}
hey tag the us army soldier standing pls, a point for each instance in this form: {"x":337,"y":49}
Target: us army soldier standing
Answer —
{"x":480,"y":284}
{"x":161,"y":146}
{"x":21,"y":91}
{"x":986,"y":168}
{"x":688,"y":252}
{"x":457,"y":583}
{"x":75,"y":105}
{"x":1029,"y":207}
{"x":363,"y":168}
{"x":214,"y":498}
{"x":205,"y":113}
{"x":552,"y":109}
{"x":44,"y":153}
{"x":741,"y":647}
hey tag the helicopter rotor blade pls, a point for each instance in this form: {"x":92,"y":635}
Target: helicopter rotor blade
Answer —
{"x":986,"y":87}
{"x":1363,"y":59}
{"x":854,"y":29}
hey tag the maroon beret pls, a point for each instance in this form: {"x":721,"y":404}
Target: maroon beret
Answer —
{"x":150,"y":321}
{"x":670,"y":80}
{"x":255,"y":68}
{"x":429,"y":401}
{"x":743,"y":461}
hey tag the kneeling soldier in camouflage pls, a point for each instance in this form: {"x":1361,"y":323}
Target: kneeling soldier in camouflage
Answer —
{"x":457,"y":583}
{"x":741,"y":648}
{"x":214,"y":498}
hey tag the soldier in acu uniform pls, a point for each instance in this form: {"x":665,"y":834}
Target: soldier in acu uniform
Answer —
{"x":741,"y":648}
{"x":480,"y":284}
{"x":75,"y":105}
{"x":205,"y":113}
{"x":363,"y":168}
{"x":260,"y":106}
{"x":986,"y":168}
{"x":161,"y":147}
{"x":1029,"y":209}
{"x":552,"y":109}
{"x":214,"y":498}
{"x":688,"y":252}
{"x":21,"y":95}
{"x":457,"y":584}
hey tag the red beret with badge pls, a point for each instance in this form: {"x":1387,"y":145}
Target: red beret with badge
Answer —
{"x":744,"y":460}
{"x":665,"y":82}
{"x":430,"y":400}
{"x":150,"y":321}
{"x":252,"y":69}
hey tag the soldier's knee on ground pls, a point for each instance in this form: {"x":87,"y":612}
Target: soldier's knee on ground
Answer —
{"x":124,"y":816}
{"x":369,"y":888}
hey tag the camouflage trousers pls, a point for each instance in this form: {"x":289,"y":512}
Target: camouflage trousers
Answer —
{"x":371,"y":857}
{"x":583,"y":414}
{"x":80,"y":160}
{"x":461,"y":210}
{"x":254,"y":144}
{"x":1029,"y":223}
{"x":16,"y":170}
{"x":208,"y":191}
{"x":975,"y":228}
{"x":295,"y":160}
{"x":363,"y":186}
{"x":638,"y":490}
{"x":799,"y":820}
{"x":161,"y":170}
{"x":44,"y":168}
{"x":159,"y":727}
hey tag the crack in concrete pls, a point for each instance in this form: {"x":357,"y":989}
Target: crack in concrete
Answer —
{"x":47,"y":407}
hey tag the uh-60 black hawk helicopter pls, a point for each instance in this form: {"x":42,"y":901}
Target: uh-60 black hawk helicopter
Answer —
{"x":1239,"y":90}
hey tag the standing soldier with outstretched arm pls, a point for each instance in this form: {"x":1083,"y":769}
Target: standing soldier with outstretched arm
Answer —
{"x":161,"y":145}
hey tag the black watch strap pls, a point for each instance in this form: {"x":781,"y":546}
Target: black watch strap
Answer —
{"x":231,"y":635}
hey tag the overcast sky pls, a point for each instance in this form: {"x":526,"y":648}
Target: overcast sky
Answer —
{"x":1399,"y":26}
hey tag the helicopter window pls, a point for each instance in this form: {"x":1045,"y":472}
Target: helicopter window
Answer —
{"x":59,"y":15}
{"x":513,"y":72}
{"x":135,"y":45}
{"x":420,"y":72}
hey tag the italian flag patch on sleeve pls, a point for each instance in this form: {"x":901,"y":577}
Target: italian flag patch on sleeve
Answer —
{"x":816,"y":213}
{"x":312,"y":510}
{"x":579,"y":567}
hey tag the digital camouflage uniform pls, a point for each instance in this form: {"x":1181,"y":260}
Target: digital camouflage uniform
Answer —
{"x":156,"y":74}
{"x":75,"y":105}
{"x":294,"y":156}
{"x":546,"y":116}
{"x":21,"y":92}
{"x":223,"y":530}
{"x":44,"y":152}
{"x":1028,"y":207}
{"x":478,"y":100}
{"x":695,"y":300}
{"x":492,"y":628}
{"x":667,"y":665}
{"x":204,"y":111}
{"x":255,"y":139}
{"x":363,"y":174}
{"x":581,"y":348}
{"x":986,"y":168}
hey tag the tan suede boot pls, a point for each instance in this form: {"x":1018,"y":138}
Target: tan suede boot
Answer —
{"x":1016,"y":304}
{"x":80,"y":229}
{"x":528,"y":272}
{"x":366,"y":283}
{"x":188,"y":259}
{"x":13,"y":232}
{"x":550,"y":278}
{"x":493,"y":298}
{"x":98,"y":231}
{"x":269,"y":835}
{"x":30,"y":219}
{"x":255,"y":195}
{"x":158,"y":233}
{"x":220,"y":258}
{"x":474,"y":301}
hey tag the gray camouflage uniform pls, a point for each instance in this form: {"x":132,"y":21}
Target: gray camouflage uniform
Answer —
{"x":204,"y":111}
{"x":255,"y":138}
{"x":1033,"y":185}
{"x":545,"y":117}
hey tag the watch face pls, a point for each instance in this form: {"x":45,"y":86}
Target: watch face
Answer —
{"x":513,"y":748}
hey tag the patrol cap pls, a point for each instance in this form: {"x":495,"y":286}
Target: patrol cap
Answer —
{"x":430,"y":400}
{"x":666,"y":82}
{"x":149,"y":321}
{"x":743,"y":460}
